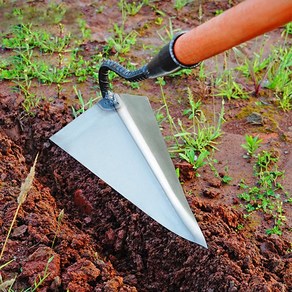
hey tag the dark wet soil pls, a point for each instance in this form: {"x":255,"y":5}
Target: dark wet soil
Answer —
{"x":105,"y":243}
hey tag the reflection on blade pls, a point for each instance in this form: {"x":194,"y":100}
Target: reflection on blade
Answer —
{"x":125,"y":149}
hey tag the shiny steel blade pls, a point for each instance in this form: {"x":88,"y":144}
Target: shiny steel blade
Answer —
{"x":125,"y":148}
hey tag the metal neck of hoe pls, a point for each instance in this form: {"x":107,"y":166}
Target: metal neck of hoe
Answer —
{"x":110,"y":102}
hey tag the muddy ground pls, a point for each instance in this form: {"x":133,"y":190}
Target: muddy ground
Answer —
{"x":105,"y":243}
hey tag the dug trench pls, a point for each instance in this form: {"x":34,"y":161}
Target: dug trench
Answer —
{"x":104,"y":243}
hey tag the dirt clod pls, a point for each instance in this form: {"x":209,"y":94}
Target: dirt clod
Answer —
{"x":211,"y":192}
{"x":42,"y":260}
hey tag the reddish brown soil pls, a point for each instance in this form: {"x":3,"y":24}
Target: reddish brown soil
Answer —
{"x":105,"y":243}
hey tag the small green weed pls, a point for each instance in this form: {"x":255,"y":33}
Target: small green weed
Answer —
{"x":256,"y":68}
{"x":226,"y":179}
{"x":190,"y":156}
{"x":280,"y":74}
{"x":130,"y":8}
{"x":265,"y":196}
{"x":251,"y":144}
{"x":82,"y":104}
{"x":55,"y":12}
{"x":229,"y":88}
{"x":201,"y":134}
{"x":202,"y":71}
{"x":279,"y":220}
{"x":121,"y":41}
{"x":218,"y":12}
{"x":167,"y":33}
{"x":85,"y":31}
{"x":180,"y":4}
{"x":194,"y":111}
{"x":239,"y":227}
{"x":59,"y":222}
{"x":285,"y":97}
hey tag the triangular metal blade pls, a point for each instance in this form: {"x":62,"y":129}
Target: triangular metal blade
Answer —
{"x":125,"y":148}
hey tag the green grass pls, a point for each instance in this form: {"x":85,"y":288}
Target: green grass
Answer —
{"x":167,"y":32}
{"x":82,"y":106}
{"x":192,"y":143}
{"x":255,"y":73}
{"x":36,"y":56}
{"x":228,"y":87}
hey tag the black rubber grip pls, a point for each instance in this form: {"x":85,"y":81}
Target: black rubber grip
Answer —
{"x":132,"y":76}
{"x":164,"y":63}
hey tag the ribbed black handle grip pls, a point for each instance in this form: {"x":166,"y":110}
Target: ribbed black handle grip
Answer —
{"x":109,"y":65}
{"x":164,"y":63}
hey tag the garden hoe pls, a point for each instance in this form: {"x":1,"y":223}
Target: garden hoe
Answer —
{"x":118,"y":139}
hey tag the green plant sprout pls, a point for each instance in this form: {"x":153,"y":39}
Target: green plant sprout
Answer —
{"x":182,"y":72}
{"x":201,"y":134}
{"x":279,"y":77}
{"x":280,"y":74}
{"x":82,"y":104}
{"x":251,"y":144}
{"x":285,"y":97}
{"x":279,"y":220}
{"x":180,"y":4}
{"x":59,"y":222}
{"x":56,"y":12}
{"x":172,"y":125}
{"x":192,"y":144}
{"x":218,"y":12}
{"x":196,"y":161}
{"x":131,"y":8}
{"x":85,"y":31}
{"x":202,"y":71}
{"x":121,"y":41}
{"x":167,"y":33}
{"x":160,"y":117}
{"x":252,"y":68}
{"x":226,"y":179}
{"x":253,"y":65}
{"x":195,"y":107}
{"x":229,"y":88}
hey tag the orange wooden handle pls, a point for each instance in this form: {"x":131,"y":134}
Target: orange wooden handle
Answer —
{"x":235,"y":26}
